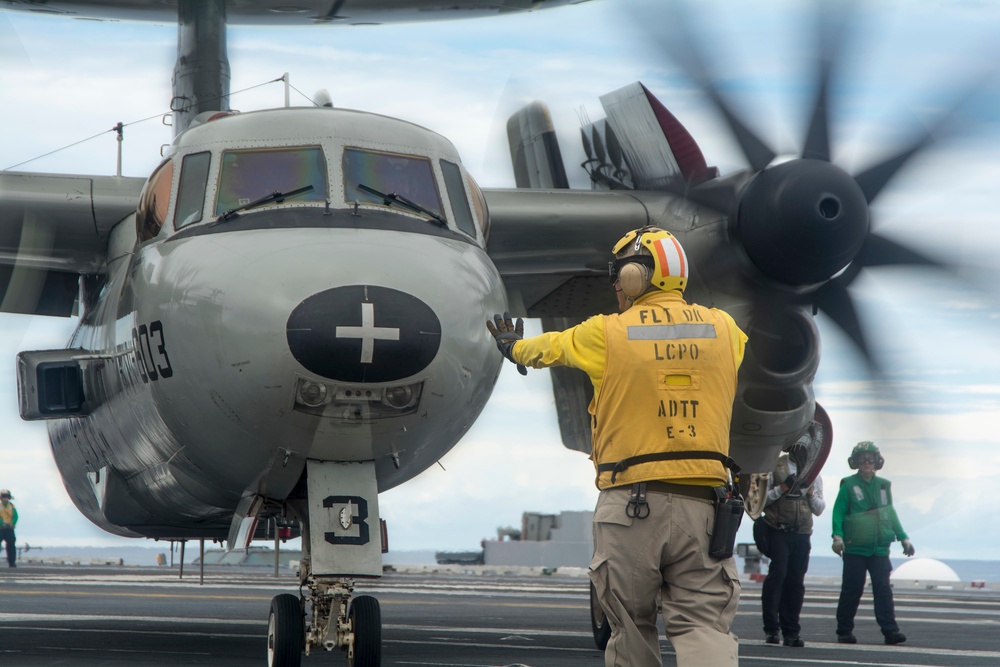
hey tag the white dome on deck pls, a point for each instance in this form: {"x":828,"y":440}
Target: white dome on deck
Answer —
{"x":918,"y":570}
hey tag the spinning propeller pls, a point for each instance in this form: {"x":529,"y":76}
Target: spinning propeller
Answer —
{"x":804,"y":225}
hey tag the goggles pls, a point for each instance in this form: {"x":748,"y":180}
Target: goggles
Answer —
{"x":866,"y":458}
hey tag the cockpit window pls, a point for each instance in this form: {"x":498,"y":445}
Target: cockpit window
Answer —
{"x":479,"y":202}
{"x":248,"y":175}
{"x":409,"y":176}
{"x":459,"y":200}
{"x":191,"y":192}
{"x":154,"y":200}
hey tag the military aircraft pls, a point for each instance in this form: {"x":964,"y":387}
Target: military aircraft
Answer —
{"x":286,"y":318}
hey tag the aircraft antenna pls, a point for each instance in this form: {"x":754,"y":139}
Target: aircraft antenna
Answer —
{"x":120,"y":127}
{"x":120,"y":130}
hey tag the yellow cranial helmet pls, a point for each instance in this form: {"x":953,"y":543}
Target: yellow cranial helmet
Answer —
{"x":646,"y":257}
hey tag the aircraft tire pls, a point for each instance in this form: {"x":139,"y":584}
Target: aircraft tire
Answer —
{"x":598,"y":621}
{"x":285,"y":632}
{"x":366,"y":620}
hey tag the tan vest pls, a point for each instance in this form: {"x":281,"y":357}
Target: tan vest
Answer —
{"x":6,"y":514}
{"x":789,"y":513}
{"x":668,"y":386}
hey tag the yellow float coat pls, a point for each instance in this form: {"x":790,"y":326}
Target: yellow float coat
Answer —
{"x":664,"y":376}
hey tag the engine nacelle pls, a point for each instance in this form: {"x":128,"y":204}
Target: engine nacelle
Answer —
{"x":775,"y":400}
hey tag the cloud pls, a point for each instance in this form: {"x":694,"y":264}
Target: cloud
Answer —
{"x":936,"y":337}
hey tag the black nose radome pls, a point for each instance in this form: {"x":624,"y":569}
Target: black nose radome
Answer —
{"x":364,"y":333}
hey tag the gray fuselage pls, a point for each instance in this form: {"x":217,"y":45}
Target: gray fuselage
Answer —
{"x":328,"y":326}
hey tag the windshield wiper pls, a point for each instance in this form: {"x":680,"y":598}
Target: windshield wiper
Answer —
{"x":273,"y":197}
{"x":393,"y":198}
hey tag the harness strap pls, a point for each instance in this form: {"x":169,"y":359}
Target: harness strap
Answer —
{"x":624,"y":464}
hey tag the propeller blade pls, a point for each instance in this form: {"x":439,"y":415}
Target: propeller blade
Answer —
{"x":599,"y":152}
{"x":677,"y":43}
{"x":880,"y":251}
{"x":835,"y":302}
{"x":720,"y":268}
{"x":831,"y":18}
{"x":817,"y":143}
{"x":758,"y":154}
{"x":874,"y":179}
{"x":587,"y":148}
{"x":614,"y":147}
{"x":720,"y":194}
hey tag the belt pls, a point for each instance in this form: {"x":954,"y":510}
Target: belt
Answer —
{"x":689,"y":490}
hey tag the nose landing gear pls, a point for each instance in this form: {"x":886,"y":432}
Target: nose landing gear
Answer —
{"x":338,"y":622}
{"x":354,"y":626}
{"x":338,"y":545}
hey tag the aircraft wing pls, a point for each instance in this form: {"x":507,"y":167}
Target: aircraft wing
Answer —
{"x":552,"y":246}
{"x":52,"y":229}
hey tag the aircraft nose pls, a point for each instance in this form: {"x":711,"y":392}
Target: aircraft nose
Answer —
{"x":363,"y":333}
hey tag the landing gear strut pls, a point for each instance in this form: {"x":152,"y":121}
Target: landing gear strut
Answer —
{"x":354,"y":626}
{"x":338,"y":622}
{"x":342,"y":539}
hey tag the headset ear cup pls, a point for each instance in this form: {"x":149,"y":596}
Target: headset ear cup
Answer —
{"x":851,"y":463}
{"x":879,"y":463}
{"x":633,"y":278}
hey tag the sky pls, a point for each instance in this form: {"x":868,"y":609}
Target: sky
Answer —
{"x":937,"y":335}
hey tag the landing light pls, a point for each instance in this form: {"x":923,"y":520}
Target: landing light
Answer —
{"x":353,"y":403}
{"x":311,"y":394}
{"x":398,"y":397}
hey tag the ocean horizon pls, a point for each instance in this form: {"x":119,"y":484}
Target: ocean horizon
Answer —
{"x":967,"y":570}
{"x":153,"y":556}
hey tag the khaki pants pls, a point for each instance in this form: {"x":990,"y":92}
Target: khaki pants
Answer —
{"x":665,"y":555}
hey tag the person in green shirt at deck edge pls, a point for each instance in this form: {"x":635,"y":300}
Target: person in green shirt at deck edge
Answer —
{"x":865,"y":524}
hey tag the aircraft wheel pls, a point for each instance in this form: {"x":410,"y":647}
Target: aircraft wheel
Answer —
{"x":366,"y":620}
{"x":285,"y":632}
{"x":598,"y":621}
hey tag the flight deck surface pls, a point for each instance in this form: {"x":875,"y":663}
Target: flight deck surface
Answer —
{"x":88,"y":616}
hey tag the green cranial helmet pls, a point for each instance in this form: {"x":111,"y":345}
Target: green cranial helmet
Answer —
{"x":865,"y":447}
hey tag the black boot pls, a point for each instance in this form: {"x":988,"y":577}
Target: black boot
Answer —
{"x":896,"y":637}
{"x":794,"y":640}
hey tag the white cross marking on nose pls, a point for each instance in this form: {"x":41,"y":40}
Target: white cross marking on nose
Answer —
{"x":368,"y":332}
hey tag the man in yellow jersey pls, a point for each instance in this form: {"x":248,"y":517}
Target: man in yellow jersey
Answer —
{"x":664,"y":376}
{"x":8,"y":520}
